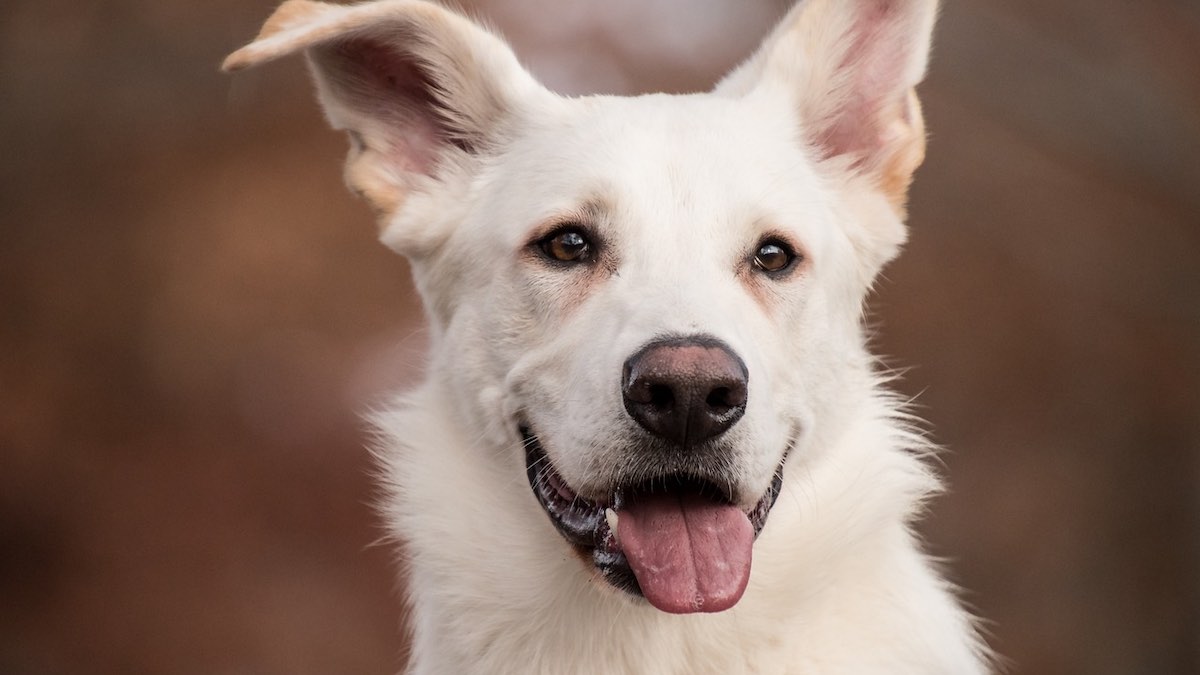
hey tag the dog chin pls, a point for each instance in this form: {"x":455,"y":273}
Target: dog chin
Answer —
{"x":678,"y":539}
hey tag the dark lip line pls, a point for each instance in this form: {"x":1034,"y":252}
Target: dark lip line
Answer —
{"x":537,"y":461}
{"x":582,"y":521}
{"x":590,"y":529}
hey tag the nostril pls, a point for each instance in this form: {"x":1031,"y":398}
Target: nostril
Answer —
{"x":725,"y":398}
{"x":719,"y":398}
{"x":661,"y":396}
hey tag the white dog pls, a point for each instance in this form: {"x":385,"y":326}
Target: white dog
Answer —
{"x":651,"y":438}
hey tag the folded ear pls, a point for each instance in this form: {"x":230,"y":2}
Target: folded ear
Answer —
{"x":420,"y":90}
{"x":849,"y":67}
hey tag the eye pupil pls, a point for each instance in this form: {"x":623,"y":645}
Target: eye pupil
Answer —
{"x":773,"y":257}
{"x":567,"y":246}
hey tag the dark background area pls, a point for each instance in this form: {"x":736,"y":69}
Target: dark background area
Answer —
{"x":193,"y":311}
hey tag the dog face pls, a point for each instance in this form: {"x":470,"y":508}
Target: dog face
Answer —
{"x":670,"y":242}
{"x":656,"y":296}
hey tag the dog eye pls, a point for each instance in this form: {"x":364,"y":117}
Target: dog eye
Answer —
{"x":774,"y":256}
{"x":567,"y":245}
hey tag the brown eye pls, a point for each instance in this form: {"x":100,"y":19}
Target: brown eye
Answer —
{"x":774,"y":256}
{"x":568,"y":246}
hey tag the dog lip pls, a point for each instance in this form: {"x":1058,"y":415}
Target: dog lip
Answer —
{"x":583,"y":522}
{"x":579,"y":520}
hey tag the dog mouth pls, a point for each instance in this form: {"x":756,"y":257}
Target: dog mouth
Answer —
{"x":677,"y":540}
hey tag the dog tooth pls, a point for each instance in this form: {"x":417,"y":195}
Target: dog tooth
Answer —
{"x":611,"y":517}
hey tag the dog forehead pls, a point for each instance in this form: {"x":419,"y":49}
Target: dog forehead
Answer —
{"x":659,"y":156}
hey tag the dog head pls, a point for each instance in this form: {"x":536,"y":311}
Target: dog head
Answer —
{"x":656,"y":299}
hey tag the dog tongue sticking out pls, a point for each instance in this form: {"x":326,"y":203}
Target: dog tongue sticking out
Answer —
{"x":689,"y":553}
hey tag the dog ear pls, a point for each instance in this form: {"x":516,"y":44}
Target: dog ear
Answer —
{"x":849,"y":67}
{"x":421,"y":91}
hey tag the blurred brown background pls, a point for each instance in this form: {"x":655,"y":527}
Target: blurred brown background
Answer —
{"x":193,"y":311}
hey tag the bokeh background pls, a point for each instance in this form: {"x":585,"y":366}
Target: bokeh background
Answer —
{"x":193,"y":312}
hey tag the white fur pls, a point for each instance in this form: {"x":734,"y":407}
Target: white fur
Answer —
{"x":814,"y":138}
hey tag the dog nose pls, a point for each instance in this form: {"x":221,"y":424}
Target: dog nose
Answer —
{"x":685,"y":390}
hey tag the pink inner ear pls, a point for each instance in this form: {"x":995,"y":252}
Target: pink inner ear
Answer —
{"x":394,"y":73}
{"x":390,"y":87}
{"x":873,"y":66}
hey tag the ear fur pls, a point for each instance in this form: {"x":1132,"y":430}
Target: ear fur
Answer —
{"x":420,"y":90}
{"x":850,"y":67}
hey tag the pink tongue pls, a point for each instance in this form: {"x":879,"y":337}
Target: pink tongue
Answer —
{"x":689,"y":554}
